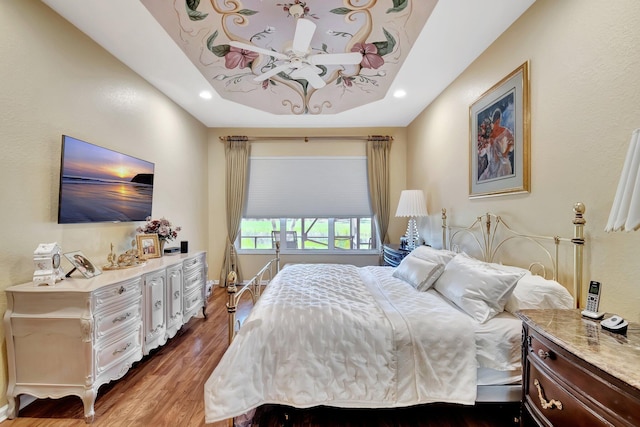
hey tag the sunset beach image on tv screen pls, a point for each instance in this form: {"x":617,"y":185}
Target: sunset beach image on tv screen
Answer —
{"x":102,"y":185}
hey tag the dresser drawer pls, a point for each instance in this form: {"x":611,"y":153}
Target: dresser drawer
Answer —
{"x":596,"y":390}
{"x":191,"y":264}
{"x":123,"y":293}
{"x":120,"y":349}
{"x":552,"y":402}
{"x":193,"y":302}
{"x":193,"y":280}
{"x":112,"y":321}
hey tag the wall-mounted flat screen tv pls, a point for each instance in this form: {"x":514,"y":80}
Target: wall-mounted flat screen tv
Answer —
{"x":101,"y":185}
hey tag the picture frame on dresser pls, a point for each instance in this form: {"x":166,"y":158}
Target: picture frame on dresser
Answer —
{"x":81,"y":263}
{"x":148,"y":246}
{"x":499,"y":137}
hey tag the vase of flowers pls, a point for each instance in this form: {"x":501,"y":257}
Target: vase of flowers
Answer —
{"x":162,"y":227}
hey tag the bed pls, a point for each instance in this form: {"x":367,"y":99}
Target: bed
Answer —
{"x":438,"y":328}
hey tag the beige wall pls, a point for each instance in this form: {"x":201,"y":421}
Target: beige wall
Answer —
{"x":54,"y":81}
{"x":584,"y":68}
{"x":217,"y":217}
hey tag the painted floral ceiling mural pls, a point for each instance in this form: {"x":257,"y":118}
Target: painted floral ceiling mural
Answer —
{"x":297,"y":57}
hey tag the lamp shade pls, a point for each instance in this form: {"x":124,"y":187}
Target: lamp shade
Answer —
{"x":625,"y":211}
{"x":412,"y":204}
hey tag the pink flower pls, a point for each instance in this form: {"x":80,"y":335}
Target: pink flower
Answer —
{"x":238,"y":57}
{"x":370,"y":57}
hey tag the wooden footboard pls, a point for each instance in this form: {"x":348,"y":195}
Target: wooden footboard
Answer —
{"x":253,"y":287}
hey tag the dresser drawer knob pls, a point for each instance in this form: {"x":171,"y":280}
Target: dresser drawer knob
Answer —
{"x":543,"y":354}
{"x":551,"y":404}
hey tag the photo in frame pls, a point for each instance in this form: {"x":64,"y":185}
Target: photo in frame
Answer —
{"x":499,"y":128}
{"x":81,"y":263}
{"x":148,"y":246}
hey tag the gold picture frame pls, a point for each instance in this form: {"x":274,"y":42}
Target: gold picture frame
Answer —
{"x":499,"y":138}
{"x":148,"y":246}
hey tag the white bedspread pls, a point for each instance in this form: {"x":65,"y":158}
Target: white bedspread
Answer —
{"x":339,"y":335}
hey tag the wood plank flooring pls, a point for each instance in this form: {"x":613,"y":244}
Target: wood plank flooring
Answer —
{"x":166,"y":389}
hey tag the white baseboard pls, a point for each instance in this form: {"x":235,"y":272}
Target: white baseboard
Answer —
{"x":25,"y":400}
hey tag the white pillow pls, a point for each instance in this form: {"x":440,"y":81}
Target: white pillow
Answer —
{"x":478,"y":288}
{"x":418,"y":273}
{"x":436,"y":256}
{"x":511,"y":268}
{"x":537,"y":292}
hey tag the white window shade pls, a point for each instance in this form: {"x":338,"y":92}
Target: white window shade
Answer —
{"x":309,"y":187}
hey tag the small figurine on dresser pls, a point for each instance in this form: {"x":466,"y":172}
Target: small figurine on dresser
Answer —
{"x":125,"y":260}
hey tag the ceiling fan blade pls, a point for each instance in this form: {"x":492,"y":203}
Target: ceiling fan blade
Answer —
{"x":309,"y":74}
{"x":304,"y":32}
{"x":272,"y":72}
{"x":257,"y":49}
{"x":350,"y":58}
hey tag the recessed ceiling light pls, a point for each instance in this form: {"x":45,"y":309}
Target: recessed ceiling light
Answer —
{"x":400,"y":93}
{"x":205,"y":94}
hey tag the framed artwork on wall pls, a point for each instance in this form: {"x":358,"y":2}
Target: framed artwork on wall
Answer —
{"x":499,"y":134}
{"x":148,"y":246}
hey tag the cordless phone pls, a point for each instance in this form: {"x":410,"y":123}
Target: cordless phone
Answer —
{"x":593,"y":301}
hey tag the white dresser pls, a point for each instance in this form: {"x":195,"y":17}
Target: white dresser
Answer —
{"x":71,"y":338}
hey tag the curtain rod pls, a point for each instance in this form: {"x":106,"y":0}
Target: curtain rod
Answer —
{"x":305,"y":138}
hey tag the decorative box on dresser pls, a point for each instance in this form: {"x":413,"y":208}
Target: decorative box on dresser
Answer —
{"x":71,"y":338}
{"x":393,"y":254}
{"x":577,"y":374}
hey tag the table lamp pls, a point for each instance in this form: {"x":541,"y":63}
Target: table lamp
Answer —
{"x":412,"y":205}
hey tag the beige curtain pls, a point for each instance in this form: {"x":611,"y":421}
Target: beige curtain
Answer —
{"x":378,"y":150}
{"x":236,"y":150}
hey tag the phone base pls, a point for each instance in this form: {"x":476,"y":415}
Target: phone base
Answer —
{"x":618,"y":329}
{"x":592,"y":314}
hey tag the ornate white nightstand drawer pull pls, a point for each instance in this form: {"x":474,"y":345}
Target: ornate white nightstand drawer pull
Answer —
{"x":121,"y":318}
{"x":176,"y":294}
{"x":543,"y":354}
{"x":122,"y":350}
{"x":551,"y":404}
{"x":121,"y":290}
{"x":158,"y":304}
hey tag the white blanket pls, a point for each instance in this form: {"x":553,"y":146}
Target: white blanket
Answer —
{"x":339,"y":335}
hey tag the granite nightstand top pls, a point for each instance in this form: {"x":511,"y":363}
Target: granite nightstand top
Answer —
{"x":616,"y":354}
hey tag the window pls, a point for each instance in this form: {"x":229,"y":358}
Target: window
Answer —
{"x":308,"y":204}
{"x":308,"y":234}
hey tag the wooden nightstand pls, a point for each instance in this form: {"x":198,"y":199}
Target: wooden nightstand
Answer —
{"x":393,"y":254}
{"x":577,"y":374}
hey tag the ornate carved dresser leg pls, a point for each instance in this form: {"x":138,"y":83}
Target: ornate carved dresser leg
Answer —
{"x":88,"y":401}
{"x":13,"y":406}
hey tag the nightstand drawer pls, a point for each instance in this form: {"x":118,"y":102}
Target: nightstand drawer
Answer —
{"x":551,"y":401}
{"x":598,"y":392}
{"x":393,"y":254}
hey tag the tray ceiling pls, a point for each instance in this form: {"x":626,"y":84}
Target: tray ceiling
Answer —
{"x":383,"y":32}
{"x":183,"y":48}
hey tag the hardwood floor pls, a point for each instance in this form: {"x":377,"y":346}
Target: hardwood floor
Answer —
{"x":166,"y":389}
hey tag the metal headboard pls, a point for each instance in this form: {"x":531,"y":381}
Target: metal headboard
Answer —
{"x":490,"y":233}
